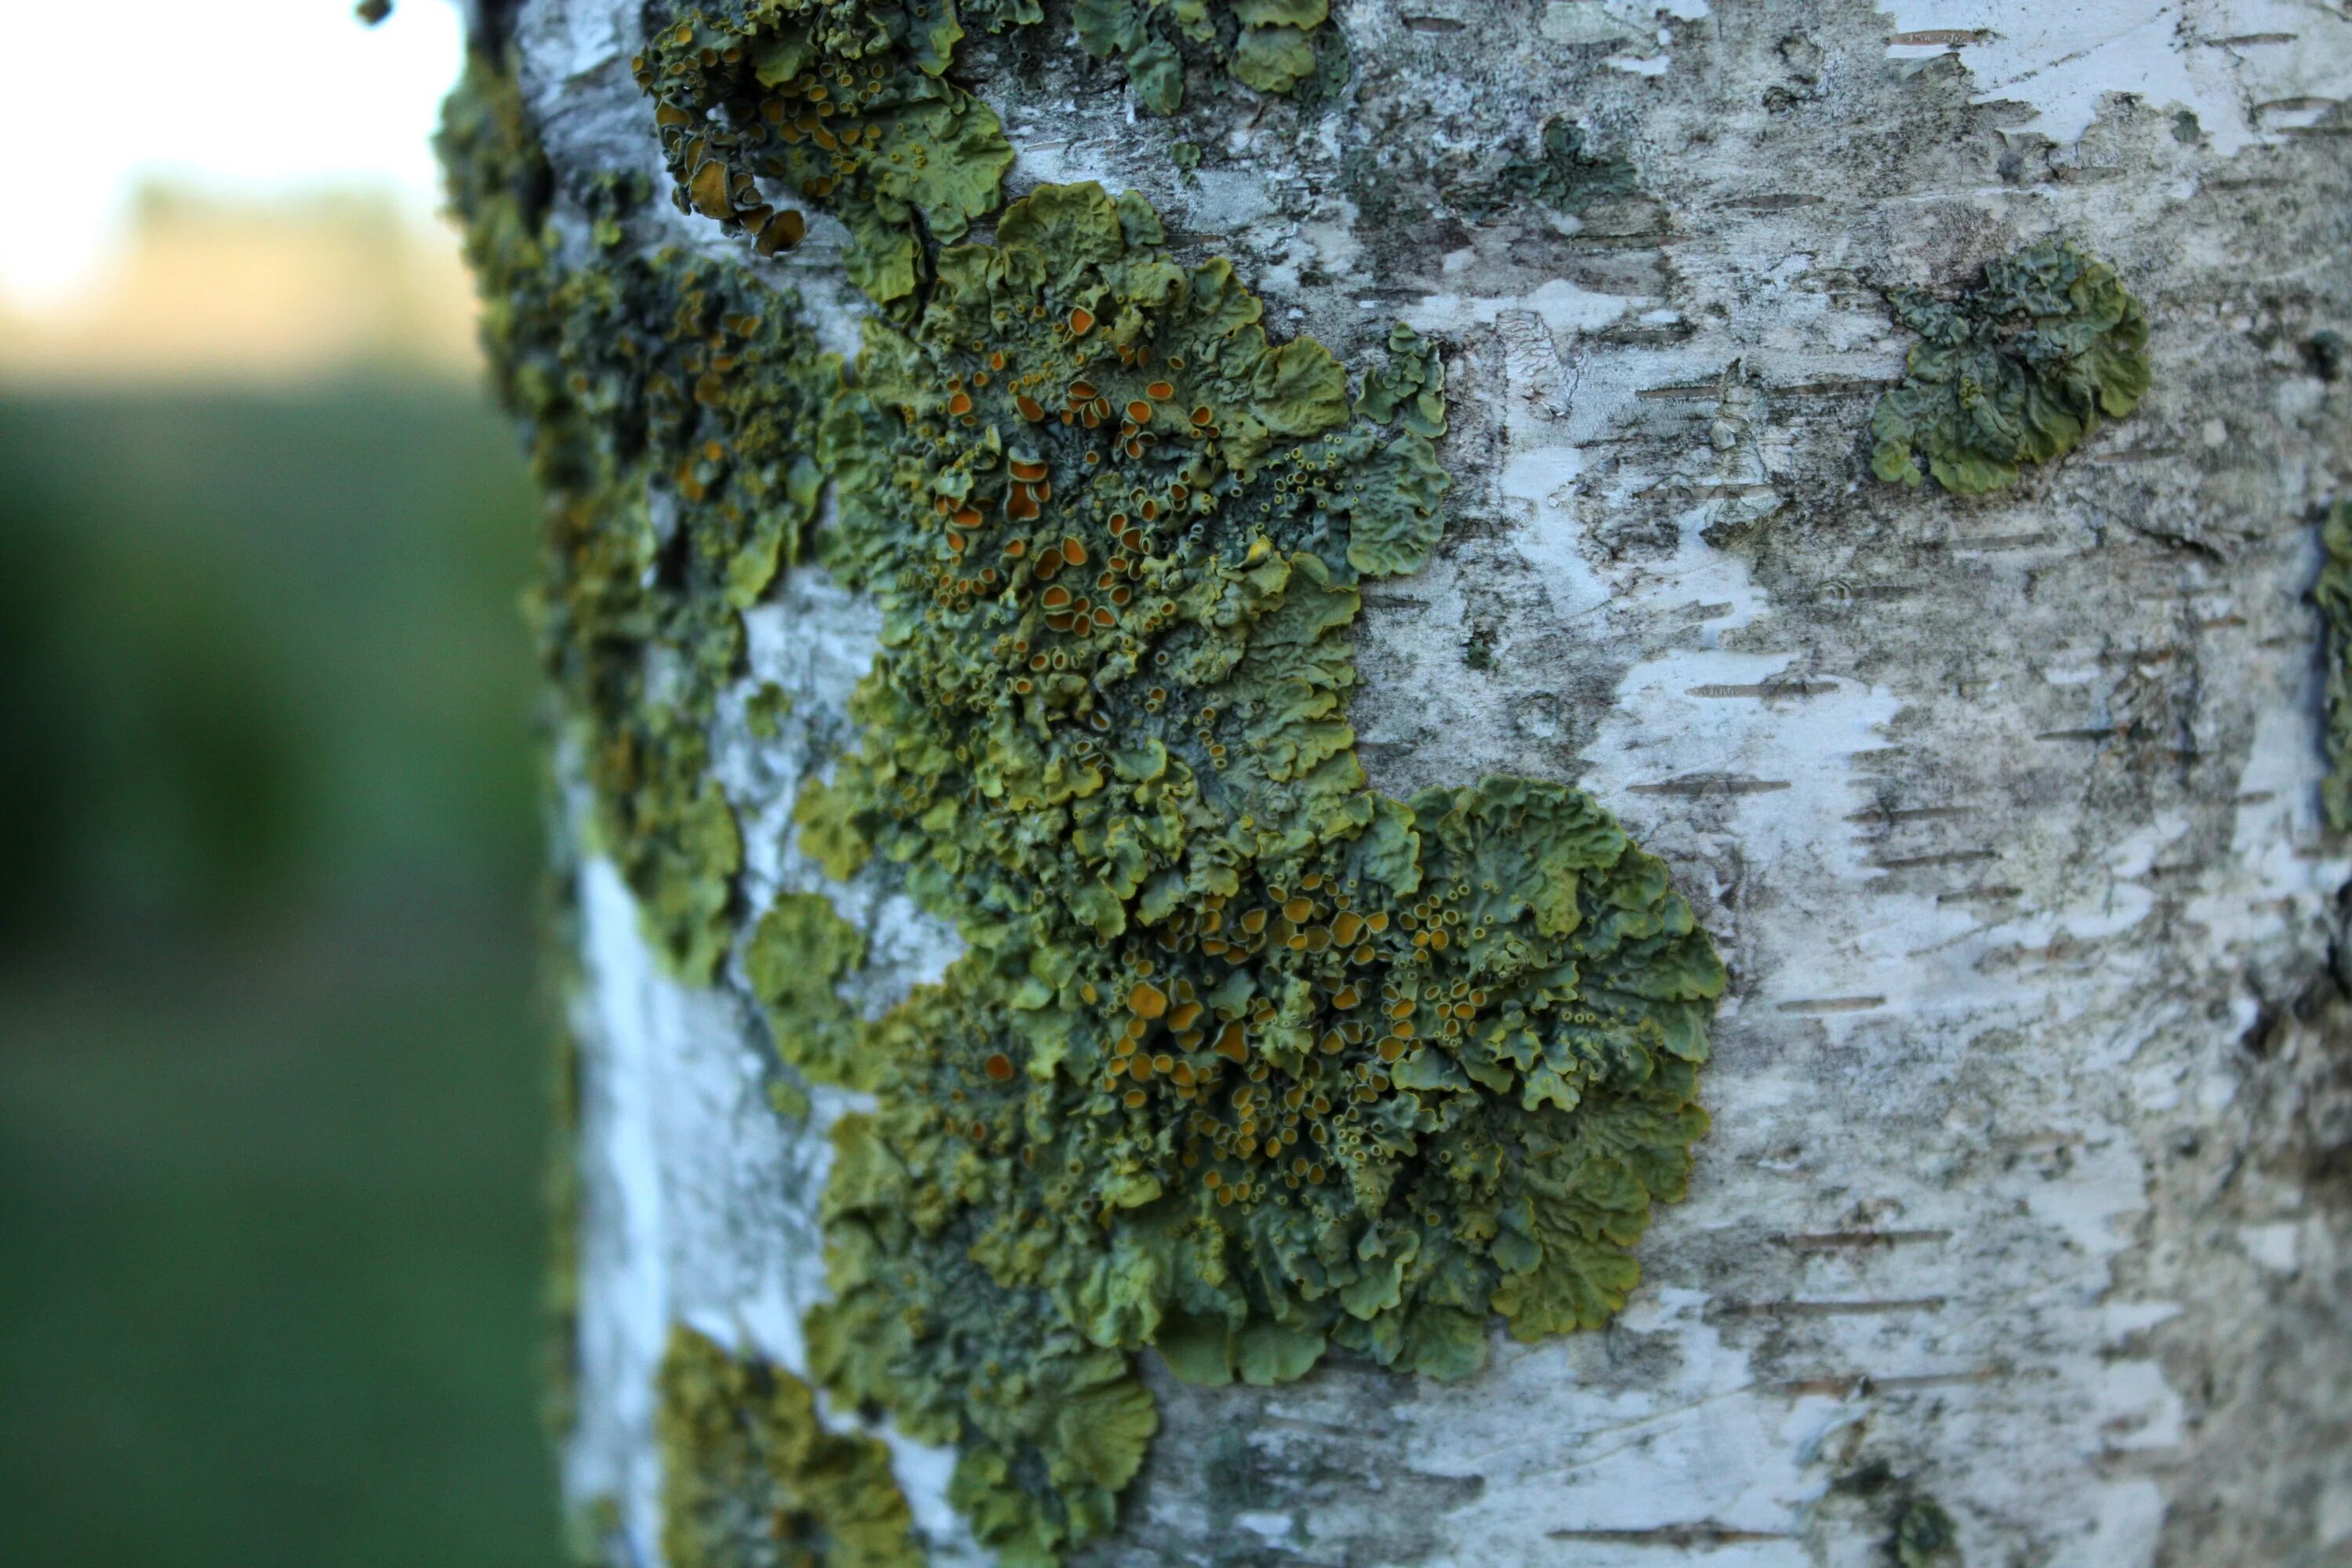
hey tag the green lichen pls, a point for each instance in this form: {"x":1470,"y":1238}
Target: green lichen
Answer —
{"x":841,"y":101}
{"x":2333,"y":594}
{"x":1271,"y":45}
{"x":2020,"y":371}
{"x":752,"y":1479}
{"x":1564,"y":175}
{"x":1245,"y":1058}
{"x":795,"y":961}
{"x":1925,"y":1536}
{"x":670,"y":405}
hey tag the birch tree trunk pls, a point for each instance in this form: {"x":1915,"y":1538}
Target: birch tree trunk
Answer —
{"x":2023,"y":1234}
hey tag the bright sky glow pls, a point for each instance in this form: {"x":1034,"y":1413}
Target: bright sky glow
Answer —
{"x":234,"y":95}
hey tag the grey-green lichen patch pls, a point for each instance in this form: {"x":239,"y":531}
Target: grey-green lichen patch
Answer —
{"x":1925,"y":1536}
{"x":752,"y":1479}
{"x":1271,"y":45}
{"x":2020,"y":371}
{"x":1244,"y":1058}
{"x":843,"y":103}
{"x":2333,"y":594}
{"x":1565,"y":175}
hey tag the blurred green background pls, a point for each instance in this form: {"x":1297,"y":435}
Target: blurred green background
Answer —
{"x":272,"y":1061}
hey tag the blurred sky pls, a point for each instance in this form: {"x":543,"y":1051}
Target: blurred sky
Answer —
{"x":239,"y":96}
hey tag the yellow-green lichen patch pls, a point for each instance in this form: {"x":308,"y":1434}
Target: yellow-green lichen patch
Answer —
{"x":670,"y":407}
{"x":1244,"y":1058}
{"x":795,"y":960}
{"x":1272,"y":45}
{"x":752,"y":1479}
{"x":2020,"y":371}
{"x":840,"y":102}
{"x":2333,"y":594}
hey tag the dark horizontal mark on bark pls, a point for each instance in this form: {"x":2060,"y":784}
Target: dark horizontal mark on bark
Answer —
{"x":1831,"y":1241}
{"x":1766,"y":688}
{"x":1833,"y":1308}
{"x":1704,"y":1534}
{"x":1947,"y":36}
{"x":2241,"y":39}
{"x":1827,"y":388}
{"x":2101,"y":735}
{"x":2158,"y":873}
{"x":1432,"y":24}
{"x":1863,"y":1384}
{"x":1709,"y":783}
{"x":1994,"y":541}
{"x":1834,"y":1005}
{"x":1911,"y":813}
{"x":2296,"y":105}
{"x":1990,"y":890}
{"x":1701,"y":389}
{"x":1777,"y":202}
{"x":1947,"y":858}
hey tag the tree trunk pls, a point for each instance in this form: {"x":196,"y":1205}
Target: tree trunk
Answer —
{"x":2021,"y":1233}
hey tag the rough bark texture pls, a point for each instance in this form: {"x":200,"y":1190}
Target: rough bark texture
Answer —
{"x":2029,"y":1195}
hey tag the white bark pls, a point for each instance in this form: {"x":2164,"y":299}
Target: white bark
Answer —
{"x":2026,"y":1190}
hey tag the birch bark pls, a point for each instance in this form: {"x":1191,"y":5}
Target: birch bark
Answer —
{"x":2030,"y":1188}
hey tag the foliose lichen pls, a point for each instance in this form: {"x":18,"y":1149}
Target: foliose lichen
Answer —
{"x":2019,"y":370}
{"x":841,"y":102}
{"x":1925,"y":1536}
{"x":1565,"y":176}
{"x":1244,"y":1058}
{"x":1271,"y":45}
{"x":671,"y":405}
{"x":752,"y":1479}
{"x":2333,"y":594}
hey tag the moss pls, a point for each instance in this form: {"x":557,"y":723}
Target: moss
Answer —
{"x":843,"y":102}
{"x":2333,"y":594}
{"x":2020,"y":371}
{"x":1271,"y":45}
{"x":1244,"y":1058}
{"x":752,"y":1479}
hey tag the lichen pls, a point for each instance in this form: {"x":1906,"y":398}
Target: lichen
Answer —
{"x":2019,"y":370}
{"x":1925,"y":1536}
{"x":1564,"y":175}
{"x":2333,"y":594}
{"x":842,"y":102}
{"x":1244,"y":1058}
{"x":670,"y":405}
{"x":795,"y":961}
{"x":752,"y":1479}
{"x":1270,"y":45}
